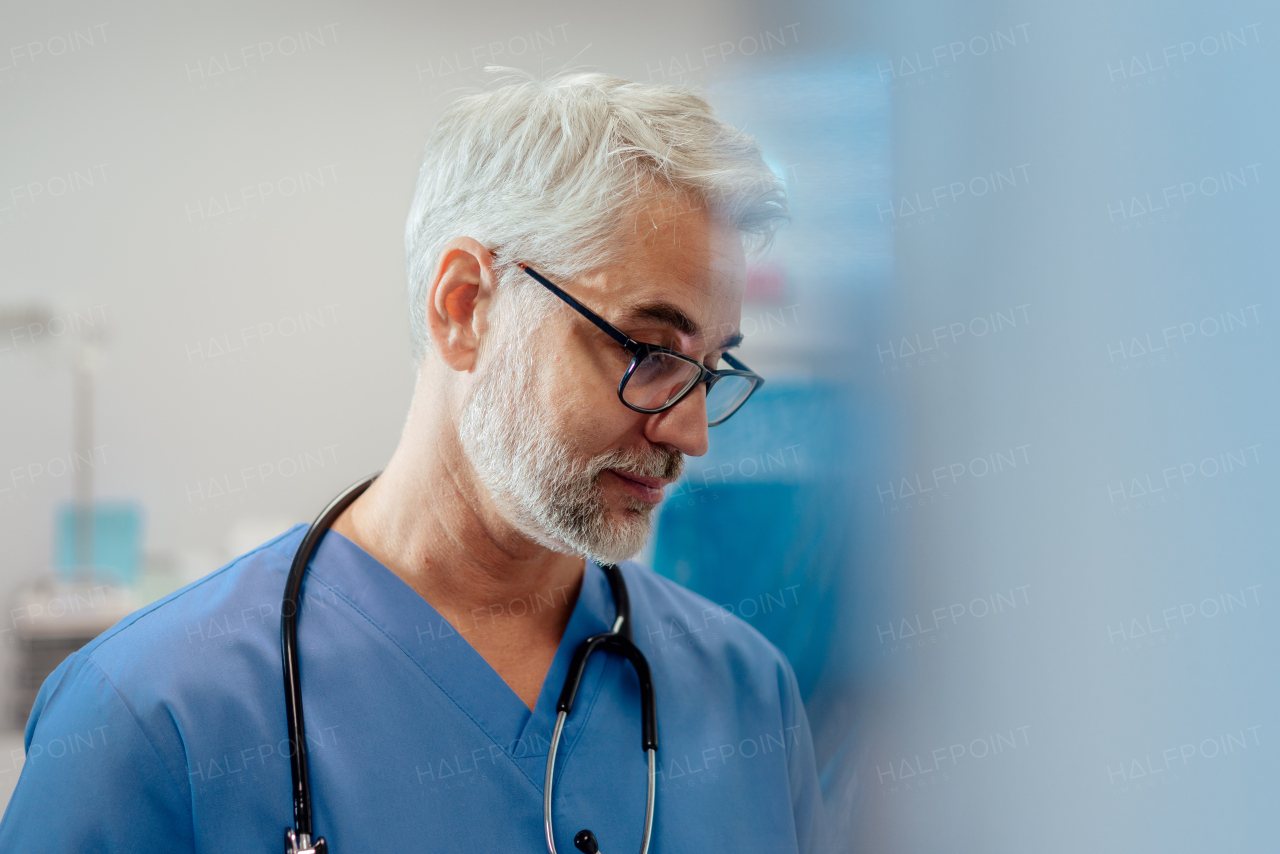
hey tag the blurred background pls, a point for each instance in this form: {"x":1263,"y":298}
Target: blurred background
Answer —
{"x":1003,"y":502}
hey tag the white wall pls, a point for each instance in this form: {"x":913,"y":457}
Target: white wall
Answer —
{"x":309,"y":286}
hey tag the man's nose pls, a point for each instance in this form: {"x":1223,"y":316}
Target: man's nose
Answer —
{"x":684,"y":425}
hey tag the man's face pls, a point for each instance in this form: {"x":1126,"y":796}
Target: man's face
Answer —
{"x":570,"y":465}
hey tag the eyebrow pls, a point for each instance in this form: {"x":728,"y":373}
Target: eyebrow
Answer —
{"x":669,"y":315}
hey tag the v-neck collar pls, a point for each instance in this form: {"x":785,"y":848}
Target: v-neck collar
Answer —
{"x":449,"y":661}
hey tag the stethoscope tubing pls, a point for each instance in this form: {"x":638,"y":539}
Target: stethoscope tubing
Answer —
{"x":298,"y":838}
{"x":618,"y":640}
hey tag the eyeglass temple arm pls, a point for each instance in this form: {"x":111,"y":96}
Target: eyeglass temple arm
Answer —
{"x":600,"y":322}
{"x":628,"y":343}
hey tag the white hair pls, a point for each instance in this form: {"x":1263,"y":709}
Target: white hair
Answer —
{"x":549,"y":170}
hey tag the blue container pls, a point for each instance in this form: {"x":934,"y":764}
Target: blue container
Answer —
{"x":115,"y":555}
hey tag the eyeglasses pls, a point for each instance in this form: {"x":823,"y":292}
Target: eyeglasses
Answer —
{"x":659,"y":378}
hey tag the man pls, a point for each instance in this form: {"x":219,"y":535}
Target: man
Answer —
{"x":552,"y":221}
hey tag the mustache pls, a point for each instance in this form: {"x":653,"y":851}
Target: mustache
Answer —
{"x":659,"y":462}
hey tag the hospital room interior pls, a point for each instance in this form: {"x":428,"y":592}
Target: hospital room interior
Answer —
{"x":1002,"y":501}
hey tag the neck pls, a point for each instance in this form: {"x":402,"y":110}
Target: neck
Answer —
{"x":429,"y":520}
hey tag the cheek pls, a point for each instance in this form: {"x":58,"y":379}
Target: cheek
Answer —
{"x":580,"y":377}
{"x":567,"y":400}
{"x":577,"y":395}
{"x":584,"y":410}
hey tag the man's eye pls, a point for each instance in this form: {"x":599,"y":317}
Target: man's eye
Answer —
{"x":659,"y":341}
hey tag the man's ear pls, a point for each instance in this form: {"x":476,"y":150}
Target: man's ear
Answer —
{"x":459,"y":301}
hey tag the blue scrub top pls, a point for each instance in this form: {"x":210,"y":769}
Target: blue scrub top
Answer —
{"x":167,"y":733}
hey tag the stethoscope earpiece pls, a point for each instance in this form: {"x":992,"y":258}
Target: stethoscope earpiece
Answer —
{"x":585,"y":842}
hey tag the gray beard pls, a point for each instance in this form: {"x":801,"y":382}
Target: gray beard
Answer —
{"x":550,"y":493}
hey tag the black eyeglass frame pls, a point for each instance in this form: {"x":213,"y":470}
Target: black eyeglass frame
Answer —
{"x":639,"y":351}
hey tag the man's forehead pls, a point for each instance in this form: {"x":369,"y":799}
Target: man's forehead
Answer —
{"x":695,"y":291}
{"x":682,"y":268}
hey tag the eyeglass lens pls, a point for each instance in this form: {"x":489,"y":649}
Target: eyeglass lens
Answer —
{"x":726,"y":396}
{"x":658,"y":379}
{"x":661,"y":378}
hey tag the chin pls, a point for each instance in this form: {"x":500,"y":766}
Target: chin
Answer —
{"x":626,"y":536}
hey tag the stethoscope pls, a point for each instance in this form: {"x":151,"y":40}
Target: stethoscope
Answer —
{"x":618,"y":640}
